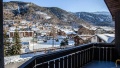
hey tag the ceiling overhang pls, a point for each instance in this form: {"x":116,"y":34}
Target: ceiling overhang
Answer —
{"x":113,"y":6}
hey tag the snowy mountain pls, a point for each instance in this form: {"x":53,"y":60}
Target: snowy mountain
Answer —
{"x":32,"y":12}
{"x":15,"y":10}
{"x":96,"y":18}
{"x":102,"y":12}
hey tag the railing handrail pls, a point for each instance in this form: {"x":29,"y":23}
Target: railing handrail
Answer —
{"x":68,"y":51}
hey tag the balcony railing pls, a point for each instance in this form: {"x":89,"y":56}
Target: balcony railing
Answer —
{"x":75,"y":57}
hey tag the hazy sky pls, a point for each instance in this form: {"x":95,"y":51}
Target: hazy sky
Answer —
{"x":71,"y":5}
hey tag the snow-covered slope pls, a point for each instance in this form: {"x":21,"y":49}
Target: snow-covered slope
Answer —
{"x":102,"y":12}
{"x":32,"y":12}
{"x":96,"y":18}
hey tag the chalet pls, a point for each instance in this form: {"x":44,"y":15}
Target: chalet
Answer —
{"x":100,"y":31}
{"x":6,"y":22}
{"x":62,"y":33}
{"x":103,"y":38}
{"x":75,"y":30}
{"x":83,"y":31}
{"x":69,"y":33}
{"x":78,"y":40}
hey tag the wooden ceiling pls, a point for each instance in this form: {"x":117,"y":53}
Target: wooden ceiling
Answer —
{"x":113,"y":6}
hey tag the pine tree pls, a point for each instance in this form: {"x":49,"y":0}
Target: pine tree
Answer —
{"x":6,"y":44}
{"x":16,"y":47}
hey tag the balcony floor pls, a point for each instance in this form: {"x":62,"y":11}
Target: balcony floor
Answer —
{"x":101,"y":64}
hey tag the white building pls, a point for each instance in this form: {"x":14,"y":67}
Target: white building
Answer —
{"x":103,"y":38}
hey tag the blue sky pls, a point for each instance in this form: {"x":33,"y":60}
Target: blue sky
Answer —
{"x":71,"y":5}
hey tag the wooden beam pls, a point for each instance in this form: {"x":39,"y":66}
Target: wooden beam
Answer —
{"x":117,"y":32}
{"x":113,"y":6}
{"x":1,"y":36}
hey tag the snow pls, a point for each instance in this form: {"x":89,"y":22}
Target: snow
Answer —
{"x":39,"y":12}
{"x":90,"y":27}
{"x":61,"y":37}
{"x":35,"y":29}
{"x":23,"y":57}
{"x":47,"y":17}
{"x":111,"y":39}
{"x":101,"y":19}
{"x":35,"y":46}
{"x":90,"y":16}
{"x":18,"y":9}
{"x":93,"y":28}
{"x":76,"y":29}
{"x":26,"y":39}
{"x":107,"y":28}
{"x":67,"y":31}
{"x":42,"y":13}
{"x":20,"y":58}
{"x":103,"y":13}
{"x":108,"y":38}
{"x":12,"y":28}
{"x":48,"y":44}
{"x":24,"y":22}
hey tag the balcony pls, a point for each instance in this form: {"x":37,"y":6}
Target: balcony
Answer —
{"x":94,"y":55}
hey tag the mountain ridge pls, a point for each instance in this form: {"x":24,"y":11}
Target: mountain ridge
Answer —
{"x":96,"y":18}
{"x":33,"y":12}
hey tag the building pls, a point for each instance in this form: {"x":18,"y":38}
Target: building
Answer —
{"x":78,"y":40}
{"x":103,"y":38}
{"x":69,"y":33}
{"x":22,"y":33}
{"x":85,"y":31}
{"x":100,"y":31}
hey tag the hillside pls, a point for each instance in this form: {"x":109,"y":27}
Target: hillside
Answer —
{"x":15,"y":10}
{"x":96,"y":18}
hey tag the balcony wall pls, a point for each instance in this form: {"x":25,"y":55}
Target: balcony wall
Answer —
{"x":75,"y":57}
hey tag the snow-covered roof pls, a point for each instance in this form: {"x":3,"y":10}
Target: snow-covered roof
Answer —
{"x":68,"y":31}
{"x":43,"y":33}
{"x":76,"y":29}
{"x":108,"y":38}
{"x":85,"y":37}
{"x":35,"y":29}
{"x":89,"y":27}
{"x":106,"y":28}
{"x":23,"y":21}
{"x":12,"y":28}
